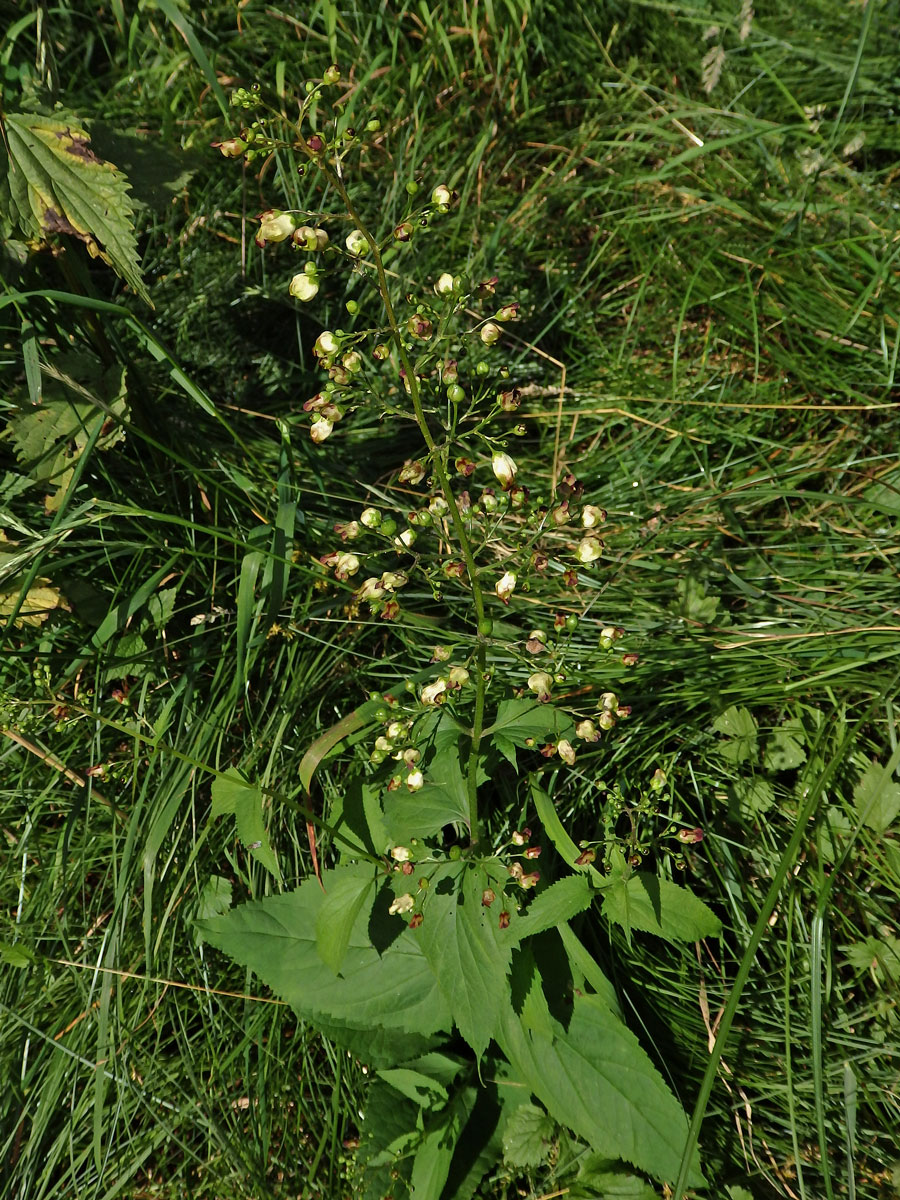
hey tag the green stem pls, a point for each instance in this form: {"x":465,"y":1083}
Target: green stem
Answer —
{"x":438,"y":457}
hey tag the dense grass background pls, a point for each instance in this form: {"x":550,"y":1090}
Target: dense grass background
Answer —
{"x":717,"y":273}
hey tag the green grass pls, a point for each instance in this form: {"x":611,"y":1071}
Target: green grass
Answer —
{"x":725,"y":312}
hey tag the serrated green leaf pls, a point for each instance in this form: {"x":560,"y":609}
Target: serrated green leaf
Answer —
{"x":345,"y":896}
{"x":232,"y":793}
{"x":693,"y":602}
{"x":611,"y":1185}
{"x":556,"y":904}
{"x":415,"y":1086}
{"x":442,"y":801}
{"x":518,"y":720}
{"x":877,"y":798}
{"x":56,"y":184}
{"x":659,"y":906}
{"x":505,"y":746}
{"x":593,"y":1076}
{"x":385,"y":978}
{"x":434,"y":1154}
{"x":752,"y":796}
{"x":215,"y":898}
{"x":880,"y":956}
{"x":16,"y":955}
{"x":468,"y":952}
{"x":527,"y":1137}
{"x":783,"y":750}
{"x":737,"y":724}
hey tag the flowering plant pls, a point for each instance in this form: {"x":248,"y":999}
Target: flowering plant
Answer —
{"x":442,"y":942}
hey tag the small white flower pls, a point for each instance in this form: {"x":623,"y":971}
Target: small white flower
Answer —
{"x":401,"y":854}
{"x":505,"y":587}
{"x":406,"y":539}
{"x":589,"y":550}
{"x":490,"y":333}
{"x":432,"y":691}
{"x":356,"y":243}
{"x":372,"y":589}
{"x":391,"y":580}
{"x":403,"y":904}
{"x":541,"y":683}
{"x":587,"y":731}
{"x":504,"y":468}
{"x":414,"y":781}
{"x":346,"y":565}
{"x":445,"y":285}
{"x":304,"y":286}
{"x":591,"y":516}
{"x":370,"y":517}
{"x":609,"y":701}
{"x":326,"y":344}
{"x":566,"y":751}
{"x":321,"y":429}
{"x":274,"y":226}
{"x":441,"y":196}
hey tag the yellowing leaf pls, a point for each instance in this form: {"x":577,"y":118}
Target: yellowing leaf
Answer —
{"x":56,"y":184}
{"x":38,"y":602}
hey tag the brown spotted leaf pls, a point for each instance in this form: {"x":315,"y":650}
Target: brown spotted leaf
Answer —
{"x":55,"y":184}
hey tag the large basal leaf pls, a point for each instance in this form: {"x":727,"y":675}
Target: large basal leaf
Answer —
{"x":467,"y":950}
{"x":593,"y":1076}
{"x":658,"y":906}
{"x":392,"y":986}
{"x":55,"y":183}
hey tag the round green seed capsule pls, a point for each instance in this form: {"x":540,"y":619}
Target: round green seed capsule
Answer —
{"x":485,"y":626}
{"x":483,"y":368}
{"x":352,"y":307}
{"x":382,"y":714}
{"x":455,"y":393}
{"x":571,"y":623}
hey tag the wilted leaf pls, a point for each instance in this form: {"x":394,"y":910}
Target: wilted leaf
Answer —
{"x":55,"y":184}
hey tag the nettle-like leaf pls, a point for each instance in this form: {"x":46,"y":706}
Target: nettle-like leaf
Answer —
{"x":232,"y":793}
{"x":518,"y":721}
{"x":555,"y":904}
{"x":442,"y":801}
{"x":385,"y":979}
{"x":82,"y":404}
{"x":592,"y":1075}
{"x":643,"y":901}
{"x":527,"y":1137}
{"x":468,"y":952}
{"x":54,"y":183}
